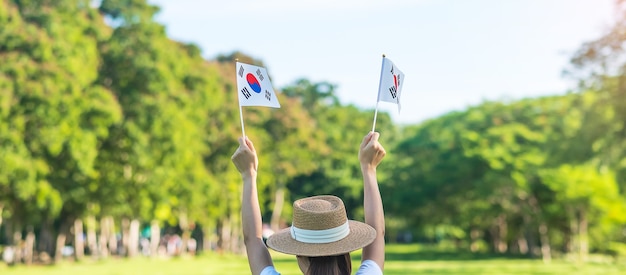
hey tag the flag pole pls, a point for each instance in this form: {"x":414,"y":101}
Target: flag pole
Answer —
{"x":378,"y":98}
{"x":375,"y":115}
{"x":243,"y":131}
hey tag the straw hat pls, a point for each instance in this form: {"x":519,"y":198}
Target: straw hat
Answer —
{"x":320,"y":227}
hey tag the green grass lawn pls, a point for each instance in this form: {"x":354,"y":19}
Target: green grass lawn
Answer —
{"x":401,"y":259}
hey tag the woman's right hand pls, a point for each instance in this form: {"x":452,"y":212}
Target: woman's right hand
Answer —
{"x":371,"y":152}
{"x":245,"y":158}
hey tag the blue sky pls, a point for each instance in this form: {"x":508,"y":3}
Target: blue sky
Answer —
{"x":454,"y":53}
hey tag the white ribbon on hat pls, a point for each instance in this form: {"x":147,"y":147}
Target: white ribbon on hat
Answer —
{"x":320,"y":236}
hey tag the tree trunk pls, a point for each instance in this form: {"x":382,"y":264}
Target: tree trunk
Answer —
{"x":133,"y":238}
{"x":574,"y":246}
{"x":79,"y":241}
{"x":125,"y":236}
{"x":112,"y":239}
{"x":529,"y":223}
{"x":17,"y":242}
{"x":279,"y":201}
{"x":209,"y":238}
{"x":64,"y":231}
{"x":155,"y":238}
{"x":58,"y":253}
{"x":108,"y":241}
{"x":522,"y":243}
{"x":474,"y":236}
{"x":532,"y":241}
{"x":92,"y":244}
{"x":29,"y":246}
{"x":46,"y":242}
{"x":583,"y":236}
{"x":236,"y":234}
{"x":104,"y":236}
{"x":503,"y":247}
{"x":546,"y":252}
{"x":183,"y":222}
{"x":224,"y":242}
{"x":499,"y":233}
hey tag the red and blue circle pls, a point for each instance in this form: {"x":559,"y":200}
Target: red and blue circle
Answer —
{"x":254,"y":83}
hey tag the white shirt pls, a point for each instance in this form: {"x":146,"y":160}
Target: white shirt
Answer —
{"x":368,"y":267}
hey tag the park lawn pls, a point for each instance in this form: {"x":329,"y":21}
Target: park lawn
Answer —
{"x":401,"y":259}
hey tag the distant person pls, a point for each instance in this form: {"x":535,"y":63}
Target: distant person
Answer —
{"x":192,"y":245}
{"x":266,"y":232}
{"x":321,"y":236}
{"x":8,"y":255}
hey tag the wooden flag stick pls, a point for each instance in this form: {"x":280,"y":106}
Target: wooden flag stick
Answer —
{"x":375,"y":115}
{"x":243,"y":131}
{"x":378,"y":97}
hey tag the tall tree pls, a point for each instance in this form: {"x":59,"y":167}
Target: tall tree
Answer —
{"x":155,"y":160}
{"x":496,"y":151}
{"x":588,"y":196}
{"x":599,"y":66}
{"x":54,"y":112}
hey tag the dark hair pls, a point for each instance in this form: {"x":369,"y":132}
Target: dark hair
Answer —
{"x":330,"y":265}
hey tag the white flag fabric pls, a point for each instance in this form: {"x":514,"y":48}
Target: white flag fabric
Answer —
{"x":254,"y":86}
{"x":391,"y":80}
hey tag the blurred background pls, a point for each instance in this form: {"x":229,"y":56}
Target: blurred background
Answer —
{"x":118,"y":119}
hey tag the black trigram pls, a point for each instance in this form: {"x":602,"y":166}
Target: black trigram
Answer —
{"x":245,"y":92}
{"x":240,"y":71}
{"x":268,"y":95}
{"x":393,"y":91}
{"x":259,"y":74}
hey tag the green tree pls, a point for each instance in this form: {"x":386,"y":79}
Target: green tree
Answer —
{"x":480,"y":169}
{"x":588,"y":196}
{"x":54,"y":116}
{"x":155,"y":163}
{"x":599,"y":66}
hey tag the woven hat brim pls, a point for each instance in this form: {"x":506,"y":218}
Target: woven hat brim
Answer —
{"x":361,"y":234}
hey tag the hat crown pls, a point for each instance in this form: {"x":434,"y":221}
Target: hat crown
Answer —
{"x":319,"y":213}
{"x":320,"y":227}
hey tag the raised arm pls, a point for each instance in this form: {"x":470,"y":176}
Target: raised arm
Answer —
{"x":246,"y":161}
{"x":371,"y":154}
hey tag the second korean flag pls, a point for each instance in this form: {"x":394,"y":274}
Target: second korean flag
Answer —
{"x":391,"y":80}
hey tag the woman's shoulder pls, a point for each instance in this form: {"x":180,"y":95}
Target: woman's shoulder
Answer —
{"x":269,"y":270}
{"x":369,"y":267}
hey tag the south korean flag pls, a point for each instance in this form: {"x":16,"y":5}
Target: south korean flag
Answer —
{"x":254,"y":87}
{"x":391,"y":80}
